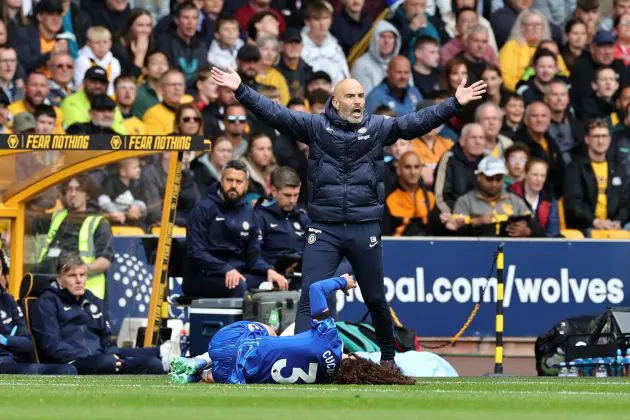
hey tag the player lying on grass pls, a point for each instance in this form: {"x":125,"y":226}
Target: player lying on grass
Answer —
{"x":250,"y":352}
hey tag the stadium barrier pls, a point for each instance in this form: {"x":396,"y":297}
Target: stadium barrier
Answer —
{"x":432,"y":283}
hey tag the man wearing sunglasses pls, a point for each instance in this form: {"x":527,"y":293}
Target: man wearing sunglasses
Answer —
{"x":60,"y":83}
{"x":235,"y":121}
{"x":346,"y":189}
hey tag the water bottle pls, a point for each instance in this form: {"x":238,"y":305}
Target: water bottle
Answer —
{"x":627,"y":363}
{"x":184,"y":342}
{"x":564,"y":372}
{"x":274,"y":319}
{"x":618,"y":367}
{"x":601,"y":371}
{"x":573,"y":372}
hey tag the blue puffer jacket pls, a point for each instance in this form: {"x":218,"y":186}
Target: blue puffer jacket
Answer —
{"x":20,"y":344}
{"x":67,"y":328}
{"x":345,"y":163}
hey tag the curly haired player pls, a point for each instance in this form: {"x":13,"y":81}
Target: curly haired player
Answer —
{"x":250,"y":352}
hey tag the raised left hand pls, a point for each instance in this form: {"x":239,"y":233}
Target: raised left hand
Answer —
{"x":471,"y":93}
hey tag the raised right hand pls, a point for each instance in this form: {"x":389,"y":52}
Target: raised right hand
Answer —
{"x":351,"y":284}
{"x":229,"y":79}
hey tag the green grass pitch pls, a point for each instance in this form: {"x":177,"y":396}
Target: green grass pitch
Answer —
{"x":139,"y":398}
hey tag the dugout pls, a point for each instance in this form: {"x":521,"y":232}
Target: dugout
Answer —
{"x":31,"y":164}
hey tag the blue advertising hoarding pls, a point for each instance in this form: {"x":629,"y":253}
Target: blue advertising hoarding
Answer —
{"x":433,"y":284}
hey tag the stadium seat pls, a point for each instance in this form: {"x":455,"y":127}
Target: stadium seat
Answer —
{"x":563,"y":224}
{"x":177,"y":231}
{"x":30,"y":289}
{"x":610,"y":234}
{"x":572,"y":234}
{"x":127,"y":231}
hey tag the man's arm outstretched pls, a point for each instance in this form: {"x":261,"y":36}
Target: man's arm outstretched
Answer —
{"x":419,"y":123}
{"x":292,"y":123}
{"x":319,"y":290}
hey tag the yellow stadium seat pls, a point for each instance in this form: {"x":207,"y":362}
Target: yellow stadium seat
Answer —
{"x":177,"y":231}
{"x":127,"y":231}
{"x":610,"y":234}
{"x":572,"y":234}
{"x":563,"y":224}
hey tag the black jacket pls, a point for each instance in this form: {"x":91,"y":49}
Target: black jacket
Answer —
{"x":101,"y":15}
{"x":88,"y":128}
{"x":348,"y":31}
{"x":282,"y":232}
{"x":580,"y":194}
{"x":619,"y":150}
{"x":555,"y":175}
{"x":188,"y":57}
{"x":28,"y":48}
{"x":20,"y":344}
{"x":583,"y":74}
{"x":67,"y":328}
{"x":296,"y":79}
{"x":454,"y":177}
{"x":593,"y":106}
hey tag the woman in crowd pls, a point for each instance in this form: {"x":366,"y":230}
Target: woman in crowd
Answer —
{"x":188,"y":120}
{"x":576,"y":35}
{"x":495,"y":92}
{"x":260,"y":162}
{"x":531,"y":190}
{"x":134,"y":43}
{"x":454,"y":72}
{"x":530,"y":28}
{"x":268,"y":75}
{"x":622,"y":46}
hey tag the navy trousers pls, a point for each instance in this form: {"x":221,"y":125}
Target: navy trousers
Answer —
{"x":326,"y":245}
{"x":37,"y":369}
{"x":141,"y":361}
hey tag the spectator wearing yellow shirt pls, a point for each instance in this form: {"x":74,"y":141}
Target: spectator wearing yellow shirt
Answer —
{"x":36,"y":92}
{"x":596,"y":194}
{"x":515,"y":56}
{"x":160,"y":118}
{"x":38,"y":42}
{"x":125,"y":89}
{"x":76,"y":107}
{"x":269,"y":53}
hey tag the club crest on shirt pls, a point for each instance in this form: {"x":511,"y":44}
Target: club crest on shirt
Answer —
{"x":245,"y":225}
{"x":311,"y":239}
{"x":297,"y":226}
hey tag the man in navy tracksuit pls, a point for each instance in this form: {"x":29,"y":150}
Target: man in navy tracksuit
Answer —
{"x":223,"y":242}
{"x":346,"y":190}
{"x":16,"y":344}
{"x":70,"y":327}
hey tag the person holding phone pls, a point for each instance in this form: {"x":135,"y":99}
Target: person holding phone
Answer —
{"x":490,"y":211}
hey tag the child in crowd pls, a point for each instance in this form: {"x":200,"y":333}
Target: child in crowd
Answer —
{"x":97,"y":52}
{"x":122,"y":195}
{"x":222,"y":52}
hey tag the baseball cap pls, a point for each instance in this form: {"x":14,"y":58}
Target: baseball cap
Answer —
{"x":248,"y":53}
{"x":291,"y":35}
{"x":49,"y":6}
{"x":23,"y":122}
{"x":491,"y":166}
{"x":102,"y":103}
{"x":604,"y":38}
{"x":320,"y":75}
{"x":588,"y":5}
{"x":96,"y":74}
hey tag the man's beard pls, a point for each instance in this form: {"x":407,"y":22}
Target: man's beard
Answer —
{"x":231,"y":200}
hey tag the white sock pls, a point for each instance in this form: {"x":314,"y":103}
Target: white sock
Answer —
{"x":205,"y":357}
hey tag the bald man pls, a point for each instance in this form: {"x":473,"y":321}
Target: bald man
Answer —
{"x":394,"y":91}
{"x":345,"y":189}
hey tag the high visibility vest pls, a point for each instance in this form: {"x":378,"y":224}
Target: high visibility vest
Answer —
{"x":96,"y":282}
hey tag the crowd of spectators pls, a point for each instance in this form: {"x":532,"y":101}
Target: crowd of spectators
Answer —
{"x":554,"y":71}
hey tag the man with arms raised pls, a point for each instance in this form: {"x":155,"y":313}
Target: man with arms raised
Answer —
{"x":346,"y":189}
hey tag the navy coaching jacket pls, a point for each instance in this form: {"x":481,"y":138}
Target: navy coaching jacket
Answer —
{"x":282,"y":232}
{"x":345,"y":163}
{"x":221,"y":236}
{"x":67,"y":329}
{"x":20,"y":345}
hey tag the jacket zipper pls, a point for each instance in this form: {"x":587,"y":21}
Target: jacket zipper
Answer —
{"x":345,"y":178}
